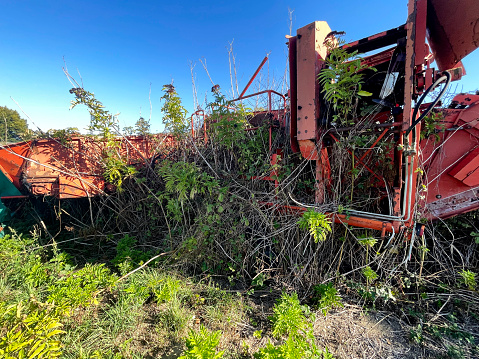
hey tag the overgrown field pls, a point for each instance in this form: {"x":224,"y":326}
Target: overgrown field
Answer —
{"x":52,"y":303}
{"x":191,"y":256}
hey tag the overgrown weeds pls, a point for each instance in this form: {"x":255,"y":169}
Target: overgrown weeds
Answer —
{"x":214,"y":206}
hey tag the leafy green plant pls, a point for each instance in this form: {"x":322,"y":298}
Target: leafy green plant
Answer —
{"x":327,"y":297}
{"x":80,"y":288}
{"x":116,"y":170}
{"x":102,"y":122}
{"x":174,"y":114}
{"x":186,"y":180}
{"x":228,"y":121}
{"x":433,"y":125}
{"x":416,"y":334}
{"x":369,"y":274}
{"x":367,"y":242}
{"x":202,"y":345}
{"x":33,"y":330}
{"x":127,"y":257}
{"x":290,"y":317}
{"x":341,"y":80}
{"x":294,"y":320}
{"x":318,"y":224}
{"x":468,"y":278}
{"x":455,"y":352}
{"x":166,"y":289}
{"x":292,"y":348}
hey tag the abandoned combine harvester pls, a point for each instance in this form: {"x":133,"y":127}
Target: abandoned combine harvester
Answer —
{"x":429,"y":156}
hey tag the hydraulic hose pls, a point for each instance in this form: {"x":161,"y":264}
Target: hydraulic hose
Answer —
{"x":445,"y":76}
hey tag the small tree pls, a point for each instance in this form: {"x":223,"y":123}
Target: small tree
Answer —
{"x":174,"y":114}
{"x":12,"y":126}
{"x":142,"y":127}
{"x":102,"y":122}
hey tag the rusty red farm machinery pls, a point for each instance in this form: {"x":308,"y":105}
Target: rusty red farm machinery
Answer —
{"x":414,"y":168}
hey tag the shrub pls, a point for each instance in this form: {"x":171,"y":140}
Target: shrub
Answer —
{"x":468,"y":278}
{"x":202,"y":345}
{"x":33,"y":329}
{"x":318,"y":224}
{"x":79,"y":288}
{"x":327,"y":297}
{"x":290,"y":317}
{"x":294,"y":320}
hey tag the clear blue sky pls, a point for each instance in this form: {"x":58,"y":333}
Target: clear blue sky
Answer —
{"x":120,"y":47}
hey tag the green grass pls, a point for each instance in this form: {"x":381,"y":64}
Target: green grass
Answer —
{"x":85,"y":311}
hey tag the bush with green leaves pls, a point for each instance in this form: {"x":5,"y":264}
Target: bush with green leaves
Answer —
{"x":81,"y":287}
{"x":174,"y":114}
{"x":32,"y":330}
{"x":293,"y":320}
{"x":127,"y":256}
{"x":248,"y":151}
{"x":186,"y":180}
{"x":317,"y":224}
{"x":327,"y":297}
{"x":228,"y":122}
{"x":341,"y":81}
{"x":116,"y":170}
{"x":468,"y":279}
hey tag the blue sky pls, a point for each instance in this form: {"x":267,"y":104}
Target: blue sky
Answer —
{"x":121,"y":47}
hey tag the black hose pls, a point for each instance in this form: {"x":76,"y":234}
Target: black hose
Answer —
{"x":446,"y":76}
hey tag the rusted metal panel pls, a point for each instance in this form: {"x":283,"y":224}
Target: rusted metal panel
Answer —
{"x":293,"y":83}
{"x":310,"y":51}
{"x":453,"y":30}
{"x":74,"y":167}
{"x":461,"y":202}
{"x":466,"y":170}
{"x":12,"y":160}
{"x":451,"y":163}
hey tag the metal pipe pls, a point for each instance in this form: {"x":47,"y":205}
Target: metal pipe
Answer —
{"x":254,"y":75}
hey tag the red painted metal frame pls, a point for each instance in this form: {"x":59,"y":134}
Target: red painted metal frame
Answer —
{"x":71,"y":168}
{"x":199,"y":113}
{"x":253,"y":77}
{"x":270,"y":109}
{"x":360,"y":160}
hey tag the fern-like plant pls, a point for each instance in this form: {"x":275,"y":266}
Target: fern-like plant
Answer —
{"x":79,"y":288}
{"x":327,"y":297}
{"x":294,"y":320}
{"x":202,"y":345}
{"x":186,"y":180}
{"x":290,"y":317}
{"x":318,"y":224}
